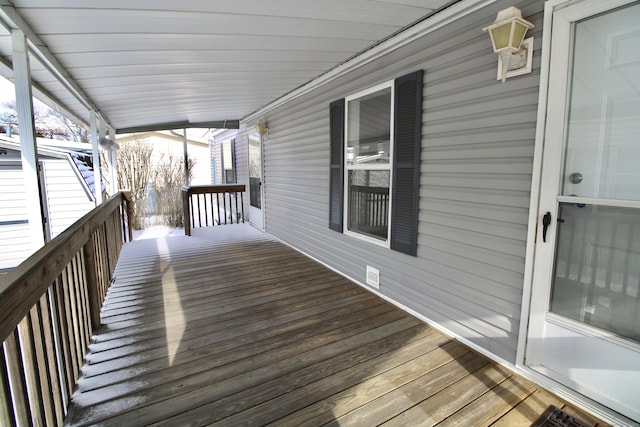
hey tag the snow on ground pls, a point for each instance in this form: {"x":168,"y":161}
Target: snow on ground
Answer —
{"x":157,"y":231}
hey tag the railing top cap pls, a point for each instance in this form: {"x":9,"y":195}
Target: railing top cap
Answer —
{"x":221,"y":188}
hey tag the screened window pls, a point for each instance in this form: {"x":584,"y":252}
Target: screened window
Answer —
{"x":368,"y":162}
{"x":374,"y":173}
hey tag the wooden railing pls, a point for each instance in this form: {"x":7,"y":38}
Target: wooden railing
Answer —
{"x":206,"y":205}
{"x":49,"y":306}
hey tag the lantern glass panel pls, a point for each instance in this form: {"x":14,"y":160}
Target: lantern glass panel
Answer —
{"x":518,"y":34}
{"x":501,"y":35}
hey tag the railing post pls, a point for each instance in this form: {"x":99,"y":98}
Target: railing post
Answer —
{"x":129,"y":209}
{"x":186,"y":211}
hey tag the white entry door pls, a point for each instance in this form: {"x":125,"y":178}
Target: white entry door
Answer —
{"x":584,"y":328}
{"x":256,"y":217}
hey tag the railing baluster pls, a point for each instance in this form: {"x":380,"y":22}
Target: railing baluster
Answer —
{"x":213,"y":215}
{"x":52,"y":347}
{"x":199,"y":218}
{"x":63,"y":331}
{"x":72,"y":316}
{"x":206,"y":211}
{"x":15,"y":374}
{"x":235,"y":202}
{"x":83,"y":302}
{"x":192,"y":214}
{"x":6,"y":406}
{"x":90,"y":269}
{"x":225,"y":210}
{"x":36,"y":406}
{"x":41,"y":362}
{"x":218,"y":206}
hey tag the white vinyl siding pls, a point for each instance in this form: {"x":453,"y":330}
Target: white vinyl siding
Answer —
{"x":14,"y":231}
{"x":475,"y":179}
{"x":67,"y":199}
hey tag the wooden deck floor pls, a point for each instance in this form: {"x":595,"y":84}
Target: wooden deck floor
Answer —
{"x":233,"y":328}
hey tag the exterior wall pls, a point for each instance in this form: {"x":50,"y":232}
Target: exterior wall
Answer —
{"x":216,"y":162}
{"x":15,"y":244}
{"x":220,"y":164}
{"x":67,"y":199}
{"x":476,"y":164}
{"x":242,"y":165}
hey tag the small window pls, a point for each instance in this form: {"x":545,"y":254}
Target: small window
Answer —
{"x":368,"y":162}
{"x":229,"y":162}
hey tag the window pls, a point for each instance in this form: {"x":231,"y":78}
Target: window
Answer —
{"x":368,"y":162}
{"x":229,"y":161}
{"x":374,"y":177}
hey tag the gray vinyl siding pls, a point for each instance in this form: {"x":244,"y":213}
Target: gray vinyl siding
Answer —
{"x":476,"y":163}
{"x":242,"y":164}
{"x":216,"y":153}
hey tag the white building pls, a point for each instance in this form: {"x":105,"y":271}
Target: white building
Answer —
{"x":68,"y":193}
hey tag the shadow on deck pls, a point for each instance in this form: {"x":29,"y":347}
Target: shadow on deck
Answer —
{"x":230,"y":327}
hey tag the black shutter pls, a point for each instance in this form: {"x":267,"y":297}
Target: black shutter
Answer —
{"x":336,"y":179}
{"x":406,"y":167}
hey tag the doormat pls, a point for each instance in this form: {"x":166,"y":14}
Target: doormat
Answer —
{"x":554,"y":417}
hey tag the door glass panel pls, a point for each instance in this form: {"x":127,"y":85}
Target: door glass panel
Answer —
{"x":603,"y":123}
{"x":597,"y":272}
{"x":255,"y":171}
{"x":597,"y":261}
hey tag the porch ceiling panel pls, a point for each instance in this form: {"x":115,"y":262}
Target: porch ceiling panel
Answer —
{"x":147,"y":62}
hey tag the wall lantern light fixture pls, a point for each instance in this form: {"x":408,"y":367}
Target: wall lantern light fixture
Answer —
{"x":263,"y":129}
{"x":507,"y":36}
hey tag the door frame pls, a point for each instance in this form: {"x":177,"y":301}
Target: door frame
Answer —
{"x":533,"y":310}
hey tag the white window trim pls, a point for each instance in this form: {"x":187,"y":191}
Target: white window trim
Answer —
{"x":345,"y":214}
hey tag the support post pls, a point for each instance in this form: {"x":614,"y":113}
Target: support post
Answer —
{"x":186,"y":157}
{"x":186,"y":196}
{"x":97,"y":174}
{"x":113,"y":162}
{"x":28,"y":145}
{"x":129,"y":209}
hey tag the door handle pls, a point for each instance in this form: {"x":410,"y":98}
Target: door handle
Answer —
{"x":546,"y":221}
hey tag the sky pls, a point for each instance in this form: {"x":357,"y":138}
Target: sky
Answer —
{"x":7,"y":91}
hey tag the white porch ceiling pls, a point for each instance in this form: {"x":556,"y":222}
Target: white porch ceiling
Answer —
{"x":153,"y":63}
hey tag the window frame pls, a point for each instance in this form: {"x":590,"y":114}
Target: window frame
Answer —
{"x":231,"y":144}
{"x":389,"y":166}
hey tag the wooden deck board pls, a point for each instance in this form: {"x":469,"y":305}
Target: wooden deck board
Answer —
{"x":233,"y":328}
